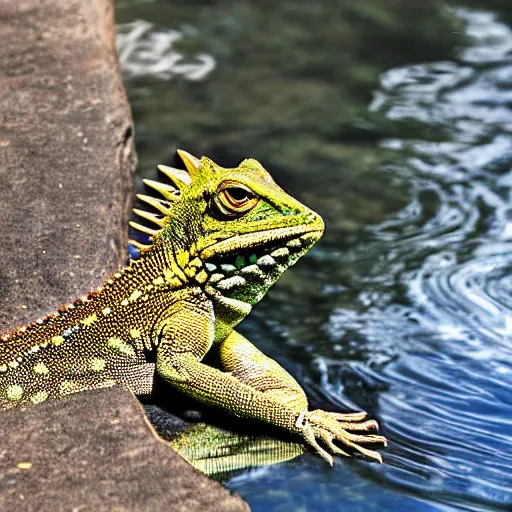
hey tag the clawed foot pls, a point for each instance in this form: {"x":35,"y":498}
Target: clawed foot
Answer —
{"x":331,"y":426}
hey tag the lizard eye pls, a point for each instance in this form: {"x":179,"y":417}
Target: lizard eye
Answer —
{"x":234,"y":199}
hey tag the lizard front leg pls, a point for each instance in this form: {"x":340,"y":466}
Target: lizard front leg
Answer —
{"x":186,"y":337}
{"x":250,"y":366}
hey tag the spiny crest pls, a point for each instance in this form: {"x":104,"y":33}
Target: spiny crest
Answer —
{"x":180,"y":180}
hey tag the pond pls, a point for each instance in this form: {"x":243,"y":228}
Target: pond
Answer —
{"x":392,"y":119}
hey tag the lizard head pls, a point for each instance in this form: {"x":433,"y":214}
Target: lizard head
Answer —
{"x":232,"y":231}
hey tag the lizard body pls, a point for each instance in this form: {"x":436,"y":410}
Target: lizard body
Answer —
{"x":222,"y":238}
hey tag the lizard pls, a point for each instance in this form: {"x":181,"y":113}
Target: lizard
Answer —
{"x":219,"y":238}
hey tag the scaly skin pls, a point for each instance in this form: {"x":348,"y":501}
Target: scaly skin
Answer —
{"x":222,"y":238}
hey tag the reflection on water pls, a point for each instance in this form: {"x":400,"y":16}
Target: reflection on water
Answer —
{"x":145,"y":51}
{"x":394,"y":123}
{"x":221,"y":454}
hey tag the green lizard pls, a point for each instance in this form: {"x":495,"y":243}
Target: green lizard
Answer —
{"x":222,"y":237}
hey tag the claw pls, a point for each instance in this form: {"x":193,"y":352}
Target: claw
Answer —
{"x":368,"y":453}
{"x":370,"y":425}
{"x":326,"y":456}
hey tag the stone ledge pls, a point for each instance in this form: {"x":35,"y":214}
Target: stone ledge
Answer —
{"x":66,"y":160}
{"x":95,"y":451}
{"x":66,"y":154}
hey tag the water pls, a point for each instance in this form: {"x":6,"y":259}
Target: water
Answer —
{"x":393,"y":122}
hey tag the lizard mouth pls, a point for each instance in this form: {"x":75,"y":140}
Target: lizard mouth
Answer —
{"x":256,"y":259}
{"x":276,"y":237}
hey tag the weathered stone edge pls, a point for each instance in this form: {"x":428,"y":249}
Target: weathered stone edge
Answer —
{"x":67,"y":155}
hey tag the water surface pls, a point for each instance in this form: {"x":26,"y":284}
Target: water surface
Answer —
{"x":393,"y":121}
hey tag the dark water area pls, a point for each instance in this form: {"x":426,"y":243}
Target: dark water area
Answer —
{"x":393,"y":120}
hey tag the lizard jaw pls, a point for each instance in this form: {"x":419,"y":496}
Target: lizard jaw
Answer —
{"x":245,"y":271}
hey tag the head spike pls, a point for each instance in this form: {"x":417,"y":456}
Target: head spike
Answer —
{"x":178,"y":176}
{"x":144,"y":229}
{"x":149,"y":216}
{"x":168,"y":191}
{"x":139,"y":246}
{"x":155,"y":203}
{"x":190,"y":161}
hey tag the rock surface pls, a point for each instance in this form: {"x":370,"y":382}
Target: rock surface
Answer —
{"x":66,"y":154}
{"x":66,"y":158}
{"x":115,"y":463}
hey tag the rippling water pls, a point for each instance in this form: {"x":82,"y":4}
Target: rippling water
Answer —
{"x":448,"y":407}
{"x":406,"y":308}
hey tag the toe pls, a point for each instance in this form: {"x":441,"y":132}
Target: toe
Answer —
{"x":367,"y":439}
{"x":327,"y":439}
{"x":366,"y":426}
{"x":350,"y":417}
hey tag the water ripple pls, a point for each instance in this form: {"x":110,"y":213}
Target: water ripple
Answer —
{"x":445,"y":399}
